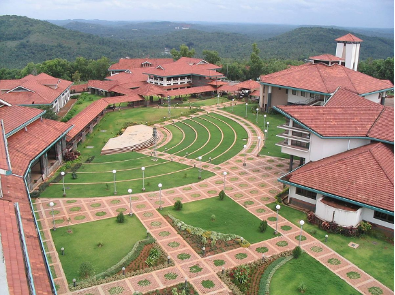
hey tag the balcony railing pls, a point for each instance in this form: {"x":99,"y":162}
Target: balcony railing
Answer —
{"x":291,"y":146}
{"x":286,"y":135}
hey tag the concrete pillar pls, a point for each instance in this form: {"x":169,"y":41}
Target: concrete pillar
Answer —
{"x":301,"y":162}
{"x":59,"y":154}
{"x":83,"y":136}
{"x":269,"y":98}
{"x":44,"y":165}
{"x":382,"y":102}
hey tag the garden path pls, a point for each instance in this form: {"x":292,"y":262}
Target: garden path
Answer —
{"x":252,"y":186}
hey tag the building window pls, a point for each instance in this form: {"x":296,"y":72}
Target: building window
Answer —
{"x":312,"y":95}
{"x":306,"y":193}
{"x":286,"y":91}
{"x":294,"y":92}
{"x":301,"y":144}
{"x":302,"y":93}
{"x":384,"y":217}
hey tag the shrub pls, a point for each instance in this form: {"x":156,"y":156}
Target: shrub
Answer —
{"x":263,"y":226}
{"x":222,"y":195}
{"x":241,"y":274}
{"x":71,"y":155}
{"x":153,"y":257}
{"x":297,"y":252}
{"x":178,"y":205}
{"x":213,"y":217}
{"x":86,"y":270}
{"x":302,"y":287}
{"x":120,"y":217}
{"x":365,"y":227}
{"x":74,"y":175}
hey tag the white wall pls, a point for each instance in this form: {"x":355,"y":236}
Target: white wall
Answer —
{"x":321,"y":148}
{"x":342,"y":217}
{"x":298,"y":98}
{"x":292,"y":194}
{"x":373,"y":97}
{"x":367,"y":215}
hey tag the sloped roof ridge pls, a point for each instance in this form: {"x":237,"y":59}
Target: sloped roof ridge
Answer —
{"x":390,"y":178}
{"x":375,"y":121}
{"x":322,"y":78}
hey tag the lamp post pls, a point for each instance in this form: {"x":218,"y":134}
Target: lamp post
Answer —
{"x":301,"y":230}
{"x":115,"y":185}
{"x":326,"y":238}
{"x":233,"y":101}
{"x":264,"y":120}
{"x":130,"y":202}
{"x":143,"y":169}
{"x":168,"y":106}
{"x":160,"y":196}
{"x":64,"y":189}
{"x":277,"y":208}
{"x":267,"y":126}
{"x":200,"y":167}
{"x":259,"y":145}
{"x":245,"y":155}
{"x":257,"y":109}
{"x":51,"y":204}
{"x":225,"y":173}
{"x":217,"y":99}
{"x":246,"y":108}
{"x":265,"y":137}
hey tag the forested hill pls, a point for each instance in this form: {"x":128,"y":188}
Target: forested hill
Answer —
{"x":24,"y":40}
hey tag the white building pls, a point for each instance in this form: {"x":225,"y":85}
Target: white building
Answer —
{"x":347,"y":146}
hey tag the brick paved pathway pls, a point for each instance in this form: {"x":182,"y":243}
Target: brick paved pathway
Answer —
{"x":252,"y":186}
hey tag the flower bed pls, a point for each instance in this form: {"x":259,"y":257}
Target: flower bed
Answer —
{"x":245,"y":279}
{"x":189,"y":290}
{"x":213,"y":242}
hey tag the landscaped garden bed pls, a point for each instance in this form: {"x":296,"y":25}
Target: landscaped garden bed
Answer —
{"x":189,"y":290}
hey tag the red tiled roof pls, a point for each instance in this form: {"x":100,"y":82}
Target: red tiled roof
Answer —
{"x":383,"y":128}
{"x":13,"y":255}
{"x":348,"y":38}
{"x":185,"y":66}
{"x":79,"y":88}
{"x":218,"y":83}
{"x":102,"y":85}
{"x":121,"y":99}
{"x":15,"y":191}
{"x":230,"y":88}
{"x":129,"y":79}
{"x":345,"y":121}
{"x":249,"y":84}
{"x":150,"y":90}
{"x":326,"y":57}
{"x":82,"y":119}
{"x":15,"y":116}
{"x":364,"y":174}
{"x":40,"y":89}
{"x":35,"y":139}
{"x":199,"y":89}
{"x":326,"y":79}
{"x":346,"y":98}
{"x":133,"y":63}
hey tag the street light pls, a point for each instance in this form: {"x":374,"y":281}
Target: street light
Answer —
{"x":225,"y":173}
{"x":264,"y":120}
{"x":257,"y":109}
{"x":130,"y":202}
{"x":115,"y":185}
{"x":200,"y":167}
{"x":267,"y":126}
{"x":277,"y":208}
{"x":64,"y":189}
{"x":233,"y":101}
{"x":246,"y":108}
{"x":160,"y":196}
{"x":301,"y":230}
{"x":168,"y":104}
{"x":245,"y":154}
{"x":217,"y":99}
{"x":259,"y":145}
{"x":51,"y":204}
{"x":143,"y":169}
{"x":265,"y":137}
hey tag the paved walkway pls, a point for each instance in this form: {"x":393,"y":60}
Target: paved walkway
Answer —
{"x":252,"y":186}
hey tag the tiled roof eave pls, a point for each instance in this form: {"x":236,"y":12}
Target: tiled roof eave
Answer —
{"x":294,"y":88}
{"x":335,"y":196}
{"x":377,"y":91}
{"x":25,"y":124}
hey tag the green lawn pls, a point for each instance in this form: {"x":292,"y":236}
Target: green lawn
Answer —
{"x":82,"y":244}
{"x":275,"y":119}
{"x":82,"y":102}
{"x":374,"y":255}
{"x":231,"y":218}
{"x":316,"y":277}
{"x":205,"y":102}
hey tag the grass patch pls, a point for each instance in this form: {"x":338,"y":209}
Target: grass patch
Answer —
{"x":82,"y":243}
{"x":231,"y":218}
{"x":373,"y":254}
{"x":311,"y":272}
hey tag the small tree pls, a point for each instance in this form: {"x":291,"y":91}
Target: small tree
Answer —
{"x":263,"y":226}
{"x":178,"y":205}
{"x":222,"y":195}
{"x":213,"y":217}
{"x":120,"y":217}
{"x":296,"y":252}
{"x":86,"y":270}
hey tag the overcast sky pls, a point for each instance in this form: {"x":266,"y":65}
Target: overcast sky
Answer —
{"x":346,"y":13}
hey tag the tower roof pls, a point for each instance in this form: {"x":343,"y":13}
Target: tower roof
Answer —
{"x":349,"y":38}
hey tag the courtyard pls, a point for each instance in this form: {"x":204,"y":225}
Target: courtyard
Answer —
{"x":193,"y":153}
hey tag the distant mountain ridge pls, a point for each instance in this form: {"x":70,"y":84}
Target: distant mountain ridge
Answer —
{"x":24,"y":40}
